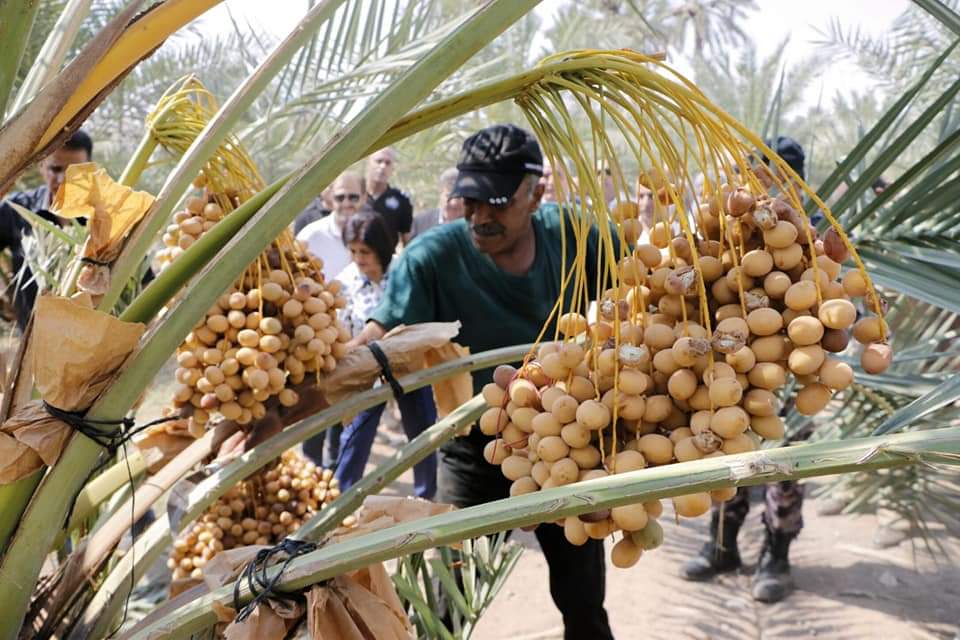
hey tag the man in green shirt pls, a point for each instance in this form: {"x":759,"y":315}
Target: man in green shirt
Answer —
{"x":498,"y":271}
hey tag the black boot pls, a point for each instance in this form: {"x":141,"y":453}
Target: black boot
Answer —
{"x":772,"y":581}
{"x":718,"y":555}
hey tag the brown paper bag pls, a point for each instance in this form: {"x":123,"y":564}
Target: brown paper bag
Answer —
{"x":263,"y":624}
{"x":111,"y":210}
{"x":75,"y":352}
{"x":361,"y":605}
{"x":408,"y":348}
{"x":454,"y":391}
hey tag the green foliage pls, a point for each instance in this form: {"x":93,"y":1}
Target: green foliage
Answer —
{"x":466,"y":581}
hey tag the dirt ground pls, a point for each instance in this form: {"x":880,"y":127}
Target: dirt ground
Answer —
{"x":845,"y":588}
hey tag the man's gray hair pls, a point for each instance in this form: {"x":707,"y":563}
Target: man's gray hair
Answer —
{"x":448,"y":178}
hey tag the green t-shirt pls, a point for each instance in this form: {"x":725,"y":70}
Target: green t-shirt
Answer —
{"x":443,"y":277}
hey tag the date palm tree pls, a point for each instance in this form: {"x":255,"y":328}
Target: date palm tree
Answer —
{"x":368,"y":86}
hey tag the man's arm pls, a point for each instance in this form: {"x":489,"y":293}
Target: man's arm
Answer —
{"x":409,"y":297}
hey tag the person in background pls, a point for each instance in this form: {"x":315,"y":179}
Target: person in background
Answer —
{"x":498,"y":271}
{"x":879,"y":185}
{"x":609,"y":188}
{"x":783,"y":501}
{"x":550,"y":179}
{"x":324,"y":237}
{"x":645,"y":204}
{"x":371,"y":241}
{"x":76,"y":150}
{"x":394,"y":205}
{"x":320,"y":207}
{"x":449,"y":208}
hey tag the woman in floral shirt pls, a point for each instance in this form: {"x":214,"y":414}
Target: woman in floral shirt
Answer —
{"x":371,"y":241}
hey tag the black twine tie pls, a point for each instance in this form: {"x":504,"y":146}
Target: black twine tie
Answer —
{"x":386,"y":373}
{"x":256,"y":577}
{"x":109,"y":440}
{"x":112,"y":442}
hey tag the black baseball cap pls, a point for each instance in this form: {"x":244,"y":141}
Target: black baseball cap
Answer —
{"x":790,"y":151}
{"x":494,"y":161}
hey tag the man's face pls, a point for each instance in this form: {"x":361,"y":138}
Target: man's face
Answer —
{"x":54,"y":166}
{"x":645,"y":202}
{"x":380,"y":166}
{"x":551,"y":175}
{"x":609,"y":188}
{"x":453,"y":208}
{"x":496,"y":230}
{"x":347,"y":196}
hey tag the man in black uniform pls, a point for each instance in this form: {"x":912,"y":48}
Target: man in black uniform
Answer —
{"x":498,"y":271}
{"x":77,"y":149}
{"x":394,"y":205}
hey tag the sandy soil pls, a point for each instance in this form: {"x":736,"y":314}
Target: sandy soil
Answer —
{"x":845,"y":588}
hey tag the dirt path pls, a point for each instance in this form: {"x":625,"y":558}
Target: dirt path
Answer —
{"x":846,"y":589}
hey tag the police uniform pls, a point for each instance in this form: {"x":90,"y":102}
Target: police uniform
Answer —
{"x":395,"y":207}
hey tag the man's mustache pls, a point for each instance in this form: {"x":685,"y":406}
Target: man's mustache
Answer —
{"x":489,"y":229}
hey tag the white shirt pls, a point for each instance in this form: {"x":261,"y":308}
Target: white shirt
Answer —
{"x":325,"y":240}
{"x":363,"y":296}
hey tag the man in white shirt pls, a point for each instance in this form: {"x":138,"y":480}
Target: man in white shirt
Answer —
{"x":324,"y":237}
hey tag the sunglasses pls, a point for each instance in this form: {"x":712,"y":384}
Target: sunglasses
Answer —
{"x":340,"y":197}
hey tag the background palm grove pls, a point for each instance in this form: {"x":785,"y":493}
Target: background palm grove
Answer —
{"x":904,"y":128}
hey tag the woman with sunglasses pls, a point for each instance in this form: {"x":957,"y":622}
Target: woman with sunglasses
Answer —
{"x":370,"y":241}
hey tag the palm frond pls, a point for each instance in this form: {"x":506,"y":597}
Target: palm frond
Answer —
{"x":918,"y":392}
{"x":465,"y":581}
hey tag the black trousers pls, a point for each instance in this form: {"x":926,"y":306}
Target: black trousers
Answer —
{"x":577,"y":574}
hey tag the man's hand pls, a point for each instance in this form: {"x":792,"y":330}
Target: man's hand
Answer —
{"x":371,"y":331}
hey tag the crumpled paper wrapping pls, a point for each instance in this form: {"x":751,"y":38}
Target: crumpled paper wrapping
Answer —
{"x":380,"y":512}
{"x":75,"y":351}
{"x":409,"y":348}
{"x":111,"y":210}
{"x":359,"y":605}
{"x":455,"y":390}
